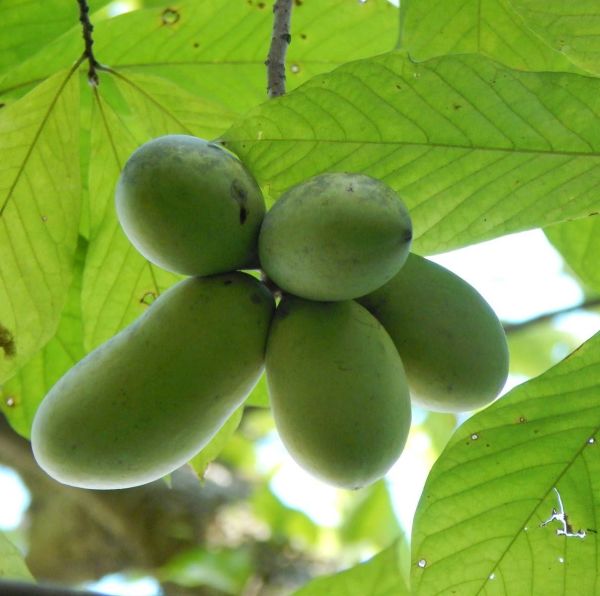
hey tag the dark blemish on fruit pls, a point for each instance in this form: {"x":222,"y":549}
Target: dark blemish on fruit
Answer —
{"x":456,"y":106}
{"x":260,"y":5}
{"x":196,"y":45}
{"x":170,"y":16}
{"x":227,"y":282}
{"x":302,"y":35}
{"x":408,"y":236}
{"x":239,"y":194}
{"x":7,"y":342}
{"x":593,"y":213}
{"x":298,"y":2}
{"x":2,"y":104}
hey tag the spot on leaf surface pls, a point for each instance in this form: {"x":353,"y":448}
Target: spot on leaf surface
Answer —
{"x":7,"y":342}
{"x":170,"y":16}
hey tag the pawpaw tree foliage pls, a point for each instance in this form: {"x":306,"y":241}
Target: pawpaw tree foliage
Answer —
{"x":482,"y":114}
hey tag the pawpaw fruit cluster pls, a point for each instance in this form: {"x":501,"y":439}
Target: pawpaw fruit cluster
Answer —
{"x":361,"y":326}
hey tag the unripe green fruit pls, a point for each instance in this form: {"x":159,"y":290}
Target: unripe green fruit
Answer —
{"x":338,"y":391}
{"x":335,"y":237}
{"x":189,"y":206}
{"x":146,"y":401}
{"x":451,"y":342}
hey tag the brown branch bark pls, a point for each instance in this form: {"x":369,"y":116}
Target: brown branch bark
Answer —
{"x":88,"y":53}
{"x":281,"y":38}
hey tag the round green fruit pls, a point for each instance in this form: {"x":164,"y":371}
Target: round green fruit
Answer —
{"x":146,"y":401}
{"x":189,"y":206}
{"x":451,"y":343}
{"x":338,"y":391}
{"x":335,"y":237}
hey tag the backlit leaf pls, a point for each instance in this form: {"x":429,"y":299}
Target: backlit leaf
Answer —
{"x":21,"y":395}
{"x":500,"y":29}
{"x":379,"y":576}
{"x":39,"y":215}
{"x":485,"y":525}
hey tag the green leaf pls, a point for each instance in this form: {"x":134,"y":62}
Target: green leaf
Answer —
{"x":372,"y":519}
{"x":211,"y":451}
{"x":479,"y":524}
{"x":22,"y":394}
{"x":12,"y":563}
{"x":571,"y":28}
{"x":28,"y":25}
{"x":579,"y":243}
{"x":39,"y":215}
{"x":217,"y":49}
{"x":379,"y":576}
{"x":475,"y":149}
{"x":498,"y":29}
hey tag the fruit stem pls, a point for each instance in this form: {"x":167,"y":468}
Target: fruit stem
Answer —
{"x":281,"y":38}
{"x":88,"y":54}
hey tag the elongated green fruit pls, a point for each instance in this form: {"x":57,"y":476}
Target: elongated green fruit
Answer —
{"x":451,"y":342}
{"x":145,"y":402}
{"x":338,"y":390}
{"x":189,"y":206}
{"x":335,"y":237}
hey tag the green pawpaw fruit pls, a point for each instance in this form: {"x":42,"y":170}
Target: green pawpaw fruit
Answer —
{"x":338,"y":391}
{"x":189,"y":206}
{"x":146,"y":401}
{"x":451,"y":343}
{"x":335,"y":237}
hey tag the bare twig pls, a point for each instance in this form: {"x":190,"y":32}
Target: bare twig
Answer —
{"x":88,"y":54}
{"x":282,"y":13}
{"x":589,"y":304}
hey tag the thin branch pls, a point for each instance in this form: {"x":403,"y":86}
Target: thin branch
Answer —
{"x":88,"y":53}
{"x":282,"y":14}
{"x":546,"y":317}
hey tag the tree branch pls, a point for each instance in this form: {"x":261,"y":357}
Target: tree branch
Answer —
{"x":512,"y":327}
{"x":281,"y":38}
{"x":88,"y":54}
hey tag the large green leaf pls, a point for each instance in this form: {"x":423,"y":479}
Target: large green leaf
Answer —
{"x":217,"y":48}
{"x":12,"y":563}
{"x":39,"y":215}
{"x":379,"y":576}
{"x":479,"y":526}
{"x":21,"y":395}
{"x":28,"y":25}
{"x":571,"y":28}
{"x":475,"y":149}
{"x":510,"y":31}
{"x":579,"y":244}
